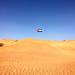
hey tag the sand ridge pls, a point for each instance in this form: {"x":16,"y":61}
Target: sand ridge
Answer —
{"x":37,"y":57}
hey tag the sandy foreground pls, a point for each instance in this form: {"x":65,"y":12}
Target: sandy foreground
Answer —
{"x":37,"y":57}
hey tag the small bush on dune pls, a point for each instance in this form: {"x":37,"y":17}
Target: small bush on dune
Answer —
{"x":16,"y":40}
{"x":64,"y":40}
{"x":1,"y":44}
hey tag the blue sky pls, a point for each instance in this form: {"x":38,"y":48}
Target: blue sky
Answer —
{"x":20,"y":18}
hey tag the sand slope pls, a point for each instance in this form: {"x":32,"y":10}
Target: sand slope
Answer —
{"x":37,"y":57}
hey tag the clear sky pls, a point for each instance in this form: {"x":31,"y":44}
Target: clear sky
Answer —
{"x":20,"y":18}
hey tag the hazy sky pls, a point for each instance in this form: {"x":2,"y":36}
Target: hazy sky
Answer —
{"x":20,"y":18}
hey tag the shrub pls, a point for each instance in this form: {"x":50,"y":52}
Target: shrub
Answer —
{"x":64,"y":40}
{"x":1,"y":44}
{"x":16,"y":40}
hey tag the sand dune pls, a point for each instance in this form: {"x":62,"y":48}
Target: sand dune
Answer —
{"x":37,"y":57}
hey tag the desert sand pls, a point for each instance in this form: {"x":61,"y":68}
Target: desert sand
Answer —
{"x":37,"y":57}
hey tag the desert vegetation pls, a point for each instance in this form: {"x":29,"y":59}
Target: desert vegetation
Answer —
{"x":1,"y":44}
